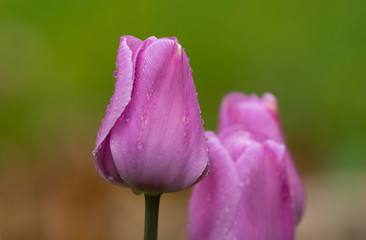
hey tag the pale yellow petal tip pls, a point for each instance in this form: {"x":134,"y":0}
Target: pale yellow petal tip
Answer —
{"x":270,"y":101}
{"x":179,"y":49}
{"x":272,"y":105}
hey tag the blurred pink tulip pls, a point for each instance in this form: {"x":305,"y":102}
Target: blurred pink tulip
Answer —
{"x":260,"y":118}
{"x":253,"y":191}
{"x":151,"y":138}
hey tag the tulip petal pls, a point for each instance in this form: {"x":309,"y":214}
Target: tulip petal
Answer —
{"x":132,"y":42}
{"x":123,"y":87}
{"x":235,"y":141}
{"x":259,"y":117}
{"x":105,"y":165}
{"x":214,"y":200}
{"x":264,"y":210}
{"x":296,"y":188}
{"x":162,"y":146}
{"x":119,"y":101}
{"x":226,"y":109}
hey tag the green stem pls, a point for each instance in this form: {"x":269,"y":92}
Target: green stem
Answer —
{"x":151,"y":216}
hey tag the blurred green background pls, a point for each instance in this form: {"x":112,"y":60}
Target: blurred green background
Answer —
{"x":56,"y":64}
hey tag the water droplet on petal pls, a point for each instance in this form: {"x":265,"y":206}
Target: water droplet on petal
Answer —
{"x":208,"y":199}
{"x":186,"y":118}
{"x":139,"y":145}
{"x":115,"y":74}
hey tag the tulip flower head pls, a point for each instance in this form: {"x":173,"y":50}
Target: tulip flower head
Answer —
{"x":253,"y":191}
{"x":260,"y":118}
{"x":151,"y":138}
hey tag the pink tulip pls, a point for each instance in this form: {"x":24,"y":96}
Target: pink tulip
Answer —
{"x":151,"y":138}
{"x":253,"y":190}
{"x":260,"y":118}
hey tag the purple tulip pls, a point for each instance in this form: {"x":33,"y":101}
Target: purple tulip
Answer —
{"x":151,"y":138}
{"x":260,"y":118}
{"x":253,"y":191}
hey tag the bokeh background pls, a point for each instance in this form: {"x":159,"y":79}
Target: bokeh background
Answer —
{"x":56,"y":64}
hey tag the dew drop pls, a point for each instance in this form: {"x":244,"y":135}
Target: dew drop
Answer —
{"x":208,"y":199}
{"x":115,"y":74}
{"x":139,"y":145}
{"x":128,"y":119}
{"x":145,"y":114}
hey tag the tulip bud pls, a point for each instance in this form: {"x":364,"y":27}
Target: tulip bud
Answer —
{"x":152,"y":138}
{"x":260,"y":118}
{"x":250,"y":192}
